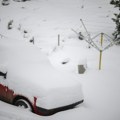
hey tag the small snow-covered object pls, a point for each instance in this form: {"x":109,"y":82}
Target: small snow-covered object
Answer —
{"x":5,"y":2}
{"x":81,"y":37}
{"x":79,"y":34}
{"x":10,"y":24}
{"x":65,"y":61}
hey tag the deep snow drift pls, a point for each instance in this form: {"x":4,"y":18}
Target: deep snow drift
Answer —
{"x":44,"y":20}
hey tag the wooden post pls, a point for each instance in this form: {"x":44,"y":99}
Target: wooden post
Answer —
{"x":100,"y":59}
{"x":58,"y":40}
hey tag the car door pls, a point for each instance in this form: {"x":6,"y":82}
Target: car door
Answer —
{"x":3,"y":88}
{"x":6,"y":94}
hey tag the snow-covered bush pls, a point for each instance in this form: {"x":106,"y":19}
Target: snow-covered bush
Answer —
{"x":116,"y":33}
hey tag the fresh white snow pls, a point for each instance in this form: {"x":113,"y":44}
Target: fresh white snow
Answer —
{"x":29,"y":73}
{"x":44,"y":20}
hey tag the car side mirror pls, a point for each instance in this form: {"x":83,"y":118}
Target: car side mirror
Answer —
{"x":3,"y":74}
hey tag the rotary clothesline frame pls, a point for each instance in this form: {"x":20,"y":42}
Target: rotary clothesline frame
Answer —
{"x":101,"y":48}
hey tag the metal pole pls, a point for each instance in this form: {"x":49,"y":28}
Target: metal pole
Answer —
{"x":100,"y":59}
{"x":89,"y":38}
{"x":84,"y":27}
{"x":101,"y":39}
{"x":58,"y":40}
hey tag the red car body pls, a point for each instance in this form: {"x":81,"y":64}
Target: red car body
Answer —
{"x":9,"y":96}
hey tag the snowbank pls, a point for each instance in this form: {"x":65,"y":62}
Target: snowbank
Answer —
{"x":45,"y":19}
{"x":30,"y":73}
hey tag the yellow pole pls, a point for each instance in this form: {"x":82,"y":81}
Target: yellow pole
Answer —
{"x":100,"y":59}
{"x":102,"y":39}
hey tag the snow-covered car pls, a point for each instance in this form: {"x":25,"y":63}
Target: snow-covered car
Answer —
{"x":28,"y":80}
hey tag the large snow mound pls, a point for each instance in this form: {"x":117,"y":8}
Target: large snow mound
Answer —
{"x":30,"y":73}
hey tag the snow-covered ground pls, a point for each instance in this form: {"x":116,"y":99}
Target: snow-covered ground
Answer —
{"x":44,"y":20}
